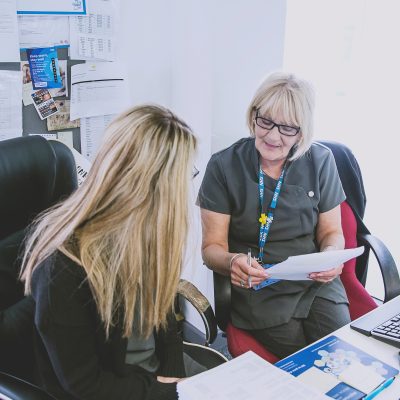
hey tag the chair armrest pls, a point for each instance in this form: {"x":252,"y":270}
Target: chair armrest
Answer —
{"x":190,"y":292}
{"x":387,"y":265}
{"x":17,"y":389}
{"x":222,"y":298}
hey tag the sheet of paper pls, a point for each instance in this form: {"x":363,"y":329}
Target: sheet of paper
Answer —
{"x":65,"y":137}
{"x":247,"y":377}
{"x":43,"y":31}
{"x":10,"y":104}
{"x":51,"y":7}
{"x":361,"y":377}
{"x":92,"y":132}
{"x":98,"y":89}
{"x":299,"y":267}
{"x":61,"y":120}
{"x":27,"y":82}
{"x":82,"y":166}
{"x":93,"y":37}
{"x":8,"y":32}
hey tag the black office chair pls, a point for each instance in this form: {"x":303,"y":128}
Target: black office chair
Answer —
{"x":34,"y":175}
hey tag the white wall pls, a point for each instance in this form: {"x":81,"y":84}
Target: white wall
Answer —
{"x":352,"y":55}
{"x":204,"y":61}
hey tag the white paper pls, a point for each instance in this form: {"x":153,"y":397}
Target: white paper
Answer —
{"x":92,"y":132}
{"x":27,"y":88}
{"x":65,"y":137}
{"x":82,"y":166}
{"x":247,"y":377}
{"x":10,"y":104}
{"x":98,"y":89}
{"x":51,"y":6}
{"x":8,"y":32}
{"x":43,"y":31}
{"x":93,"y":37}
{"x":361,"y":377}
{"x":299,"y":267}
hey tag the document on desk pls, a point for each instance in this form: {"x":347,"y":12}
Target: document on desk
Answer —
{"x":247,"y":377}
{"x":43,"y":31}
{"x":93,"y":36}
{"x":98,"y":89}
{"x":9,"y":32}
{"x":298,"y":268}
{"x":10,"y":104}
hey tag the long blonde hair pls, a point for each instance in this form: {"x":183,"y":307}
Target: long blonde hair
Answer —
{"x":127,"y":224}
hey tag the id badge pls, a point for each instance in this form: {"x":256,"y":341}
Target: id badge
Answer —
{"x":267,"y":282}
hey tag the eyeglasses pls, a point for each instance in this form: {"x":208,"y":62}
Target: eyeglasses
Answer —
{"x":266,"y":123}
{"x":195,"y":172}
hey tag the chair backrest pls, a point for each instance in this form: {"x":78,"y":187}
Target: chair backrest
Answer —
{"x":34,"y":175}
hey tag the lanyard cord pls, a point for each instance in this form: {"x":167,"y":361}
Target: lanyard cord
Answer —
{"x":266,"y":219}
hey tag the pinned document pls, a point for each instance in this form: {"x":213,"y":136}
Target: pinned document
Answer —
{"x":98,"y":89}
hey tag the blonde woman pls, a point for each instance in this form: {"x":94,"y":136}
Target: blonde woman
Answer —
{"x":104,"y":265}
{"x":274,"y":195}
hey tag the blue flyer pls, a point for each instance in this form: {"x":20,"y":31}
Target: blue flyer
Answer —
{"x":45,"y":71}
{"x":339,"y":369}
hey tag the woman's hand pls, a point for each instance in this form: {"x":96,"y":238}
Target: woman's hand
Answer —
{"x":244,"y":275}
{"x":168,"y":379}
{"x":326,"y":276}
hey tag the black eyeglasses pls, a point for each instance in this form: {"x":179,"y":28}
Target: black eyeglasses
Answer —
{"x":195,"y":172}
{"x":266,"y":123}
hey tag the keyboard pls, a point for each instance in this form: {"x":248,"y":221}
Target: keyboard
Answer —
{"x":390,"y":329}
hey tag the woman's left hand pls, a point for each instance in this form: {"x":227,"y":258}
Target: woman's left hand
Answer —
{"x":326,"y":276}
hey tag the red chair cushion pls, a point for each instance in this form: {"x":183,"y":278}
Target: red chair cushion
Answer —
{"x":240,"y":341}
{"x":359,"y":299}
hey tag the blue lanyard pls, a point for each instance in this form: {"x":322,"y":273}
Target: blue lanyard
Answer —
{"x":266,"y":219}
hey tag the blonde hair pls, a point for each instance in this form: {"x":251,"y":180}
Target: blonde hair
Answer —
{"x":293,"y":98}
{"x":126,"y":225}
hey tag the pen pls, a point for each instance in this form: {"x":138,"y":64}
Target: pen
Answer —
{"x":249,"y":264}
{"x":379,"y":389}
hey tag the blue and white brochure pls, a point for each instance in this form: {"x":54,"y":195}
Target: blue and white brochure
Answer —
{"x":45,"y":71}
{"x":338,"y":369}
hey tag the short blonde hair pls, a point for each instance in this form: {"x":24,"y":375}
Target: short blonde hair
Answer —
{"x":293,"y":98}
{"x":127,"y":224}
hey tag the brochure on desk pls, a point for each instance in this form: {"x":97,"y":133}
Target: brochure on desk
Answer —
{"x":325,"y":364}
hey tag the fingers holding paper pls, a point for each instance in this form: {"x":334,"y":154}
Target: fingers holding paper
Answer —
{"x":245,"y":275}
{"x":326,"y":276}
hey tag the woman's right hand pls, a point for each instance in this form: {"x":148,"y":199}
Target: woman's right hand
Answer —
{"x":244,"y":275}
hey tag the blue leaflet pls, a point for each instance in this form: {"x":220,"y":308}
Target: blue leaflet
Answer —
{"x":43,"y":64}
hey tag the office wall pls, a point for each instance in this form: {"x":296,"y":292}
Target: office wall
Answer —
{"x":204,"y":60}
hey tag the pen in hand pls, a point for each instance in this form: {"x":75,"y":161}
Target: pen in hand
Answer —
{"x":249,"y":264}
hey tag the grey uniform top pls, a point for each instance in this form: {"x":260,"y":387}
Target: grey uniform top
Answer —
{"x":311,"y":186}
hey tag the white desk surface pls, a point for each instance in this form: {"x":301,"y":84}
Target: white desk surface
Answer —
{"x":384,"y":352}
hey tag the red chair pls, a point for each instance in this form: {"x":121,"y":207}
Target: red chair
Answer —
{"x":354,"y":272}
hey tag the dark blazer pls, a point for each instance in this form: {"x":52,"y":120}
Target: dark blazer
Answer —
{"x":75,"y":360}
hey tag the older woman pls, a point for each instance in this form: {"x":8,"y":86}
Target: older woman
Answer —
{"x":103,"y":266}
{"x":278,"y":194}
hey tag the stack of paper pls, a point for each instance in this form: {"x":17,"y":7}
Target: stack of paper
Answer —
{"x":247,"y":377}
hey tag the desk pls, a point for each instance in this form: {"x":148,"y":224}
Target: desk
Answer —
{"x":382,"y":351}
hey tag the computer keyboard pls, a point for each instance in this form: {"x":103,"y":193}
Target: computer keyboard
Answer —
{"x":389,"y":329}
